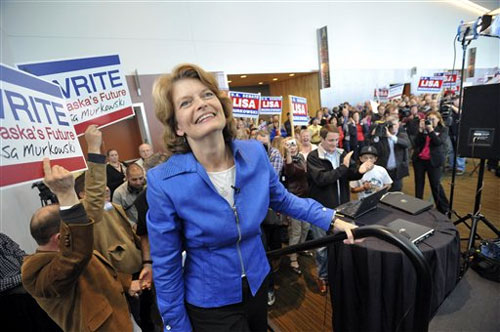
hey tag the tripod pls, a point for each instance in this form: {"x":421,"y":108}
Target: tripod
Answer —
{"x":476,"y":217}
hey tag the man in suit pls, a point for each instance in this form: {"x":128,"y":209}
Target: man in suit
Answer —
{"x":77,"y":287}
{"x":393,"y":152}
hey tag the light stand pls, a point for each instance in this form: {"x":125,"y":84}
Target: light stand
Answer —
{"x":468,"y":32}
{"x":465,"y":43}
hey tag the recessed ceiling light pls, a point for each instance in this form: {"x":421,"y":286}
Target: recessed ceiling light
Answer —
{"x":291,"y":75}
{"x":229,"y":81}
{"x":275,"y":79}
{"x":260,"y":83}
{"x":243,"y":76}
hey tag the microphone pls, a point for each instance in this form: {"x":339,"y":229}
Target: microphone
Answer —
{"x":236,"y":190}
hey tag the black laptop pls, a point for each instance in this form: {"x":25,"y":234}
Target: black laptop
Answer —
{"x":414,"y":232}
{"x":406,"y":203}
{"x":355,"y":209}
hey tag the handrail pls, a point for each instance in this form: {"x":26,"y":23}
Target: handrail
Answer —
{"x":424,"y":281}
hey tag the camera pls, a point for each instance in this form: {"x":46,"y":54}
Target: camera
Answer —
{"x":404,"y":112}
{"x":428,"y":122}
{"x":47,"y":197}
{"x":445,"y":110}
{"x":291,"y":142}
{"x":380,"y":128}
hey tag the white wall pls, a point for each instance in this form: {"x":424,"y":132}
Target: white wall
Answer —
{"x":370,"y":44}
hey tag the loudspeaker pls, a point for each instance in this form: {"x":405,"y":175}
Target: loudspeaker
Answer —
{"x":480,"y":123}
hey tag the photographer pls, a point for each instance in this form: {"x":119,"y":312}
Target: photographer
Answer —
{"x":451,"y":111}
{"x":429,"y":157}
{"x":392,"y":144}
{"x":412,"y":123}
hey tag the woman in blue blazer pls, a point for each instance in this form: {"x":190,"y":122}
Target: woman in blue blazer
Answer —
{"x":209,"y":199}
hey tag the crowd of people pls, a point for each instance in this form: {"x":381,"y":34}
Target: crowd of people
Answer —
{"x":187,"y":250}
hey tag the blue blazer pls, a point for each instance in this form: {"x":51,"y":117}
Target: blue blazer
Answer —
{"x":222,"y":242}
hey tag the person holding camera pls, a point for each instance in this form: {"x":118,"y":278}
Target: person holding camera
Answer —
{"x":294,"y":171}
{"x":429,"y":156}
{"x":412,"y":123}
{"x":392,"y":143}
{"x":453,"y":132}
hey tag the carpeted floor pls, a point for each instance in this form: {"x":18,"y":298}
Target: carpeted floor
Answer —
{"x":474,"y":305}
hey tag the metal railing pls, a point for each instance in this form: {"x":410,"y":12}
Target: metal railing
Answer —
{"x":424,"y":281}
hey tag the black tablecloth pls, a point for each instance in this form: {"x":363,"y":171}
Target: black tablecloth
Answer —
{"x":373,"y":283}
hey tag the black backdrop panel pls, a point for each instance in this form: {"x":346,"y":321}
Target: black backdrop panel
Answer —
{"x":480,"y":124}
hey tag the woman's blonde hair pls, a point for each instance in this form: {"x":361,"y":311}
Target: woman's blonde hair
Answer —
{"x":438,"y":116}
{"x":283,"y":145}
{"x":165,"y":109}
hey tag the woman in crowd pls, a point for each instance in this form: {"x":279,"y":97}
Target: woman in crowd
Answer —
{"x":294,"y":171}
{"x":209,"y":199}
{"x":115,"y":171}
{"x":314,"y":128}
{"x":429,"y":156}
{"x":305,"y":143}
{"x":360,"y":134}
{"x":334,"y":122}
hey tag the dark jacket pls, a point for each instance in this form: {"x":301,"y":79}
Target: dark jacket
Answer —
{"x":296,"y":177}
{"x":324,"y":181}
{"x":437,"y":145}
{"x":400,"y":151}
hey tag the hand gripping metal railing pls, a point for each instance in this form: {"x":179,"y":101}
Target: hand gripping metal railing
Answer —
{"x":424,"y":281}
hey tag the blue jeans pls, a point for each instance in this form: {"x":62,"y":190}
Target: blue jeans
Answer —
{"x":460,"y":163}
{"x":321,"y":253}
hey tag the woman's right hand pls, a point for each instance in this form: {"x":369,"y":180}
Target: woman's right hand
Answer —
{"x":421,"y":125}
{"x":346,"y":227}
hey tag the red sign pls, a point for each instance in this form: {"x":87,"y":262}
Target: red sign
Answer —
{"x":430,"y":84}
{"x":448,"y":78}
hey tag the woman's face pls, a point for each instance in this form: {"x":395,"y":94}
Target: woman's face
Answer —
{"x":305,"y":137}
{"x":113,"y":156}
{"x":355,"y":117}
{"x":333,"y":121}
{"x":198,"y":111}
{"x":434,"y":120}
{"x":292,"y":148}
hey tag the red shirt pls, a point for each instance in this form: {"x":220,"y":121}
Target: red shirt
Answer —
{"x":425,"y":154}
{"x":359,"y":128}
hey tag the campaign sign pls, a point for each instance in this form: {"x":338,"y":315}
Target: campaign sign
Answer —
{"x":430,"y":84}
{"x":245,"y":105}
{"x":382,"y":94}
{"x":271,"y":105}
{"x":95,"y":88}
{"x":396,"y":91}
{"x":34,"y":123}
{"x":300,"y":114}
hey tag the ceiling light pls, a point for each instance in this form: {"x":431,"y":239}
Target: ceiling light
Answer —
{"x":229,"y":81}
{"x":291,"y":75}
{"x":243,"y":76}
{"x":260,"y":83}
{"x":275,"y":79}
{"x":470,"y":6}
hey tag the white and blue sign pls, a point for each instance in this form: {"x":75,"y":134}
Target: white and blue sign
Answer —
{"x":300,"y":113}
{"x":245,"y":105}
{"x":34,"y":124}
{"x":95,"y":88}
{"x":271,"y":105}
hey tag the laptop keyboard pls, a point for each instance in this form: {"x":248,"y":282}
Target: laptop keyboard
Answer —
{"x":349,"y":209}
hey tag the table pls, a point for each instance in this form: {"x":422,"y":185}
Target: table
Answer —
{"x":373,"y":283}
